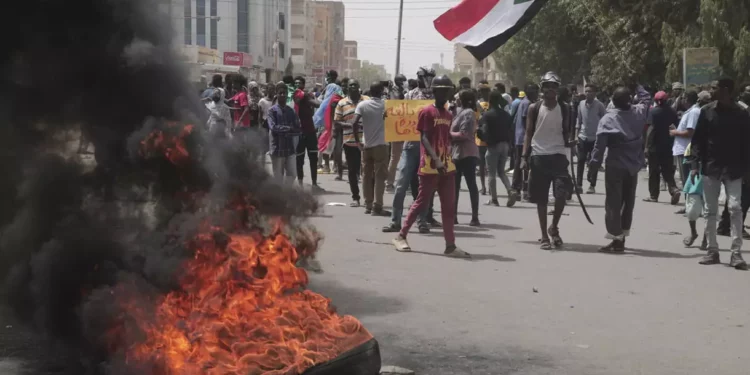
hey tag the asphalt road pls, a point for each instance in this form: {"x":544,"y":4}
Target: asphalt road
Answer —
{"x":653,"y":310}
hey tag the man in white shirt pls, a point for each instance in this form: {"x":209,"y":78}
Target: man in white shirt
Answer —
{"x":684,"y":133}
{"x":375,"y":153}
{"x":545,"y":154}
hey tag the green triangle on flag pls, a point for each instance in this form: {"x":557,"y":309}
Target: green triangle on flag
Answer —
{"x":516,"y":2}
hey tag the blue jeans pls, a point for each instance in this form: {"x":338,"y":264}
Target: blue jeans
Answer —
{"x":407,"y":169}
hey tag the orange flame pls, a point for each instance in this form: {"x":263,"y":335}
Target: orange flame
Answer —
{"x":242,"y":310}
{"x":171,"y":146}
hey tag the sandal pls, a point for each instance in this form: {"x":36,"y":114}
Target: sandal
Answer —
{"x":545,"y":244}
{"x":554,"y":233}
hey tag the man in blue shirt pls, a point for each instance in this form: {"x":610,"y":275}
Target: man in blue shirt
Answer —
{"x":284,"y":126}
{"x":521,"y":176}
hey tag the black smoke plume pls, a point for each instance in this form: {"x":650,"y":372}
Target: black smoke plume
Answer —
{"x":71,"y":232}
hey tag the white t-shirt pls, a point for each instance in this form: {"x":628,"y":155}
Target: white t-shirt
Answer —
{"x":548,"y":136}
{"x":373,"y":123}
{"x":688,"y":121}
{"x":265,"y":105}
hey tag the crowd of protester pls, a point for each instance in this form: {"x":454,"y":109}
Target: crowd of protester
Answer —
{"x":472,"y":131}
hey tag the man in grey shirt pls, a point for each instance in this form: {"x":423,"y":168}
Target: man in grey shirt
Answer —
{"x":621,"y":132}
{"x":590,"y":111}
{"x":375,"y":153}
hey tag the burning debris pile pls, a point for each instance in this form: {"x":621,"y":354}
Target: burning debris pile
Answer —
{"x":212,"y":287}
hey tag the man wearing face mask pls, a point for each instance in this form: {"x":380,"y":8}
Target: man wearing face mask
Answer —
{"x":436,"y":168}
{"x":621,"y":132}
{"x":406,"y":175}
{"x":545,"y":152}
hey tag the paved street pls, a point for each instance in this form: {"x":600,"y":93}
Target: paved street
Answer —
{"x":653,"y":310}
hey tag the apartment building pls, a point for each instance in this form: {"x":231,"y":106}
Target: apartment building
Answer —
{"x":351,"y":62}
{"x":327,"y":43}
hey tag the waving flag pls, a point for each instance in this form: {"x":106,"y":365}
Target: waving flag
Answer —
{"x":485,"y":25}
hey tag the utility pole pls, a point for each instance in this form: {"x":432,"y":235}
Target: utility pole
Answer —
{"x":398,"y":39}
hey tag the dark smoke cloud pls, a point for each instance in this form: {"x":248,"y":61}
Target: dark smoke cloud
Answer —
{"x":106,"y":66}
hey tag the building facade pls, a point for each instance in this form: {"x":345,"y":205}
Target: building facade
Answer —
{"x":351,"y":61}
{"x":252,"y":34}
{"x":327,"y":42}
{"x":465,"y":63}
{"x":301,"y":37}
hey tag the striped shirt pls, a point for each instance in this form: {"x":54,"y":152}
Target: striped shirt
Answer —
{"x":345,"y":113}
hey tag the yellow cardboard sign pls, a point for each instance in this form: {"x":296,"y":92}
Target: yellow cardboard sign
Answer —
{"x":401,"y":120}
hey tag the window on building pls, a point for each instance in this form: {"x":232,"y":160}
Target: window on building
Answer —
{"x":282,"y":21}
{"x":298,"y":7}
{"x":243,"y":26}
{"x":298,"y":31}
{"x":200,"y":21}
{"x":188,"y":23}
{"x":214,"y":24}
{"x":298,"y":51}
{"x":282,"y":50}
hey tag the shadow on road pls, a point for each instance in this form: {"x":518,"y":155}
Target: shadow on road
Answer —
{"x":355,"y":301}
{"x":474,"y":257}
{"x":594,"y":249}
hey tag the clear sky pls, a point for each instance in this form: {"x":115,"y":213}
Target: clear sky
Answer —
{"x":374,"y":25}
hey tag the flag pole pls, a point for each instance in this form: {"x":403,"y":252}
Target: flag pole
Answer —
{"x":398,"y":39}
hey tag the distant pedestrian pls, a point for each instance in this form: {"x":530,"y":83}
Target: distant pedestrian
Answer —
{"x":590,"y":112}
{"x":375,"y":155}
{"x":496,"y":129}
{"x":662,"y":119}
{"x":720,"y":151}
{"x":521,"y":175}
{"x":352,"y":150}
{"x":284,"y":126}
{"x":683,"y":134}
{"x":305,"y":104}
{"x":465,"y":151}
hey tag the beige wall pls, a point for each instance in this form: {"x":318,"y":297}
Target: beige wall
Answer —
{"x":327,"y":23}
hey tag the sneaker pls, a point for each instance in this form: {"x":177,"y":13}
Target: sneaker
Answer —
{"x":676,"y":197}
{"x":525,"y":196}
{"x":434,"y":223}
{"x":493,"y":203}
{"x":651,"y":200}
{"x":681,"y":211}
{"x":455,"y":252}
{"x":401,"y":244}
{"x":737,"y":262}
{"x":712,"y":257}
{"x":591,"y":190}
{"x":338,"y":178}
{"x":392,"y":228}
{"x":512,"y":199}
{"x":424,"y":228}
{"x":579,"y":189}
{"x":381,"y":212}
{"x":354,"y":204}
{"x":616,"y":246}
{"x":317,"y":189}
{"x":474,"y":223}
{"x":368,"y":211}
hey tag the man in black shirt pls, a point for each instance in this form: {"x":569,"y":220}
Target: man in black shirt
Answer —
{"x":721,"y":152}
{"x":662,"y":119}
{"x":496,"y":130}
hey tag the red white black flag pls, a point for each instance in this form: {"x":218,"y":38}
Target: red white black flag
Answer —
{"x":485,"y":25}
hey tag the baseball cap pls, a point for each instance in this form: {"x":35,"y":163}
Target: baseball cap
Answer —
{"x":678,"y":86}
{"x":522,"y":94}
{"x":704,"y":96}
{"x":661,"y":95}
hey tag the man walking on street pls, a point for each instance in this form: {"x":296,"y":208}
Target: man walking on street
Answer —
{"x":436,"y":168}
{"x":621,"y":132}
{"x":662,"y":120}
{"x":521,"y":175}
{"x":683,"y":134}
{"x":496,"y":130}
{"x":721,"y":151}
{"x":343,"y":118}
{"x":374,"y":149}
{"x":545,"y":154}
{"x":283,"y":125}
{"x":590,"y":112}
